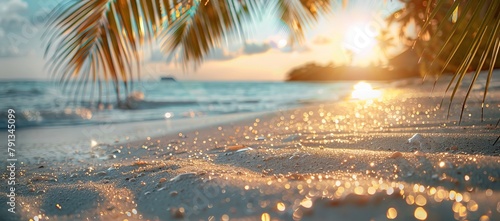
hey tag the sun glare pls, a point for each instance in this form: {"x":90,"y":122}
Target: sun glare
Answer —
{"x":360,"y":39}
{"x":282,"y":43}
{"x":364,"y":91}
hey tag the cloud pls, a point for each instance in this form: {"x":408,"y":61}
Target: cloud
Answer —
{"x":157,"y":56}
{"x":295,"y":48}
{"x":303,"y":49}
{"x":9,"y":51}
{"x":11,"y":13}
{"x":218,"y":53}
{"x":322,"y":40}
{"x":13,"y":5}
{"x":253,"y":48}
{"x":14,"y":28}
{"x":221,"y":54}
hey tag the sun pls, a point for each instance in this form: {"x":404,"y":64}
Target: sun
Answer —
{"x":360,"y":42}
{"x":282,"y":43}
{"x":278,"y":41}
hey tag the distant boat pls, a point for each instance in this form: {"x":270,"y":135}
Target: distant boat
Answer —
{"x":168,"y":78}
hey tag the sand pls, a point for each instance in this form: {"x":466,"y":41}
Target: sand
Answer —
{"x":394,"y":157}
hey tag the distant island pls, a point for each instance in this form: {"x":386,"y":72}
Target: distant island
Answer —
{"x":404,"y":65}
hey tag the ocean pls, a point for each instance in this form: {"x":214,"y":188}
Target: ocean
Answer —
{"x":43,"y":103}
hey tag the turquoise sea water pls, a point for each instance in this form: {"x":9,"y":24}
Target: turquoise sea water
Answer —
{"x":42,"y":103}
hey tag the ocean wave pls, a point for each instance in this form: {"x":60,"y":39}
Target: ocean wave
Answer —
{"x":147,"y":104}
{"x":43,"y":104}
{"x":12,"y":92}
{"x":143,"y":105}
{"x":33,"y":117}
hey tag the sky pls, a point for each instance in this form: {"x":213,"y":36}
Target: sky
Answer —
{"x":265,"y":56}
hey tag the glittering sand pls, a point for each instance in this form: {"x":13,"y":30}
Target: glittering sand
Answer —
{"x":393,"y":157}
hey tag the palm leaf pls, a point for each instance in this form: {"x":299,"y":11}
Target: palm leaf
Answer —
{"x":482,"y":61}
{"x":90,"y":41}
{"x":205,"y":27}
{"x":202,"y":27}
{"x":477,"y":22}
{"x":494,"y":54}
{"x":297,"y":14}
{"x":100,"y":41}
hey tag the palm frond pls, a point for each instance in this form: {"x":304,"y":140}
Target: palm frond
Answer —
{"x":462,"y":43}
{"x":207,"y":26}
{"x":100,"y":40}
{"x":202,"y":28}
{"x":298,"y":14}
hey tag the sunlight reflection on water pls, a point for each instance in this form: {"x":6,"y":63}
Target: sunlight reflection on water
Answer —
{"x":364,"y":91}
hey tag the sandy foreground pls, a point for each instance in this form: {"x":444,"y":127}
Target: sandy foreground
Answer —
{"x":394,"y":157}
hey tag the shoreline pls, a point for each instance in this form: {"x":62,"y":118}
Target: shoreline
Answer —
{"x":323,"y":160}
{"x":65,"y":139}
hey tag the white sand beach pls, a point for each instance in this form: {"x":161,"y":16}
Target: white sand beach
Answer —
{"x":394,"y":157}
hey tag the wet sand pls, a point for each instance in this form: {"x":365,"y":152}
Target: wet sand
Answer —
{"x":394,"y":157}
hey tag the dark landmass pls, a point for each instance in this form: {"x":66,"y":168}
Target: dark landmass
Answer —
{"x":404,"y":65}
{"x":313,"y":72}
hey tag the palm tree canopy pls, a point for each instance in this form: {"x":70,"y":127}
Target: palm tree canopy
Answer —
{"x":94,"y":40}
